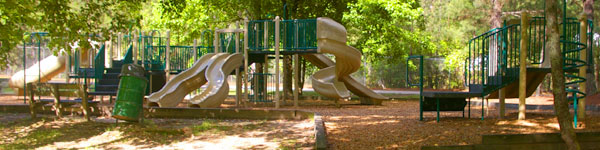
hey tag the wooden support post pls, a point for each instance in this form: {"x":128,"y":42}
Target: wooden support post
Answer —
{"x":195,"y":48}
{"x":523,"y":65}
{"x":583,"y":69}
{"x":143,"y":50}
{"x":135,"y":48}
{"x":85,"y":107}
{"x":501,"y":98}
{"x":276,"y":67}
{"x":296,"y":79}
{"x":245,"y":73}
{"x":168,"y":58}
{"x":216,"y":41}
{"x":57,"y":105}
{"x":119,"y":37}
{"x":238,"y":76}
{"x":32,"y":104}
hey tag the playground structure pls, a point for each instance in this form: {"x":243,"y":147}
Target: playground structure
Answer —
{"x":246,"y":52}
{"x":494,"y":66}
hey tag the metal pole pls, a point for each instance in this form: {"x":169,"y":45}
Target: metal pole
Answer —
{"x":276,"y":67}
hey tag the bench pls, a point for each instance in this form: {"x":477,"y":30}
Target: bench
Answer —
{"x":446,"y":101}
{"x":58,"y":90}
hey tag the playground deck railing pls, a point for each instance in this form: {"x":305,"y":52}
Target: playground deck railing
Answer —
{"x":493,"y":59}
{"x":259,"y":90}
{"x":99,"y":61}
{"x":298,"y":35}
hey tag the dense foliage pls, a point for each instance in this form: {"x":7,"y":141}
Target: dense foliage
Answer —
{"x":386,"y":31}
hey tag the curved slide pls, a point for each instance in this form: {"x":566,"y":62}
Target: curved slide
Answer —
{"x":322,"y":61}
{"x":187,"y":81}
{"x":42,"y":71}
{"x":218,"y":88}
{"x":334,"y":80}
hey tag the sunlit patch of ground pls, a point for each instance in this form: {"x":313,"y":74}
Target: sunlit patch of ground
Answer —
{"x":74,"y":133}
{"x":396,"y":125}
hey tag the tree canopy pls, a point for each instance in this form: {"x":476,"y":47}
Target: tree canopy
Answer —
{"x":386,"y":31}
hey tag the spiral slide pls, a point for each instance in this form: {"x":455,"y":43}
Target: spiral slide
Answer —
{"x":42,"y":71}
{"x":334,"y":80}
{"x":187,"y":81}
{"x":218,"y":88}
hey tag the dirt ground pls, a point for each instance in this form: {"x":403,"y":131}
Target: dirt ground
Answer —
{"x":47,"y":132}
{"x":394,"y":125}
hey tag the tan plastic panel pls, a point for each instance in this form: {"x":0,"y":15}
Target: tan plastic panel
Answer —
{"x":187,"y":81}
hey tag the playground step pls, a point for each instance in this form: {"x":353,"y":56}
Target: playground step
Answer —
{"x":111,"y":75}
{"x":107,"y":87}
{"x":109,"y":82}
{"x":113,"y":93}
{"x":113,"y":70}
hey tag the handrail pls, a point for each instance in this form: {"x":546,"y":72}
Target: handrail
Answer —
{"x":128,"y":58}
{"x":492,"y":58}
{"x":420,"y":84}
{"x":296,"y":35}
{"x":99,"y":64}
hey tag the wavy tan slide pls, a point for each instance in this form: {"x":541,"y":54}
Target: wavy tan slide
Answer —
{"x":42,"y":71}
{"x":334,"y":80}
{"x":322,"y":61}
{"x":218,"y":88}
{"x":187,"y":81}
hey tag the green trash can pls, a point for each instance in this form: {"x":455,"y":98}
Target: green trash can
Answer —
{"x":130,"y":96}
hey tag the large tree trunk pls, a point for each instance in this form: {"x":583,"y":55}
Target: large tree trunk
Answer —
{"x":287,"y":77}
{"x":496,"y":14}
{"x":561,"y":105}
{"x":588,"y":10}
{"x":590,"y":82}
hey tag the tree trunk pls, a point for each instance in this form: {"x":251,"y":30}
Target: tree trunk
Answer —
{"x":496,"y":14}
{"x":287,"y":77}
{"x":588,"y":10}
{"x":590,"y":83}
{"x":302,"y":74}
{"x":561,"y":105}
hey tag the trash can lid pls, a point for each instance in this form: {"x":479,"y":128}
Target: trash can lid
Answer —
{"x":133,"y":70}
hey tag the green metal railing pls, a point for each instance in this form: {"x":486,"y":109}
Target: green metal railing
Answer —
{"x":128,"y":58}
{"x":99,"y":64}
{"x":420,"y":84}
{"x":261,"y":35}
{"x":493,"y":59}
{"x":181,"y":58}
{"x":298,"y":35}
{"x":259,"y":89}
{"x":572,"y":47}
{"x":537,"y":40}
{"x":227,"y":42}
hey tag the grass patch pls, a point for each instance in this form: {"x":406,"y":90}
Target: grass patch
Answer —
{"x":37,"y":137}
{"x":254,"y":126}
{"x":209,"y":125}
